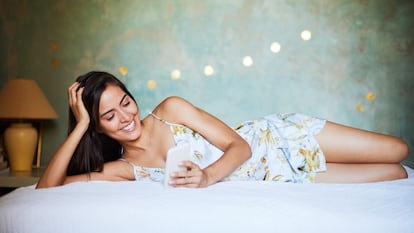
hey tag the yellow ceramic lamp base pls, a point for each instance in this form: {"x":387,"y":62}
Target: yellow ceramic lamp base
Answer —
{"x":20,"y":140}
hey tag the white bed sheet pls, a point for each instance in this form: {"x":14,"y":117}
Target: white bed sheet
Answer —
{"x":225,"y":207}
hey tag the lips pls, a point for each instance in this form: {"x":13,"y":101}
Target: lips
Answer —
{"x":129,"y":127}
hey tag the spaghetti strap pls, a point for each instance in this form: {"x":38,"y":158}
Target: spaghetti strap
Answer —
{"x":162,"y":120}
{"x":132,"y":164}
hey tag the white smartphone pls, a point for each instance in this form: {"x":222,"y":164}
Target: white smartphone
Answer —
{"x":176,"y":155}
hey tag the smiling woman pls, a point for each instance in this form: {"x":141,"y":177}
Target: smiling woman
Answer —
{"x":117,"y":113}
{"x":96,"y":147}
{"x":108,"y":140}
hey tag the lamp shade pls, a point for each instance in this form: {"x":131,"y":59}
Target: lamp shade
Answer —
{"x":23,"y":99}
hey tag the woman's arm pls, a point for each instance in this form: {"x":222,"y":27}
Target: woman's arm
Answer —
{"x":235,"y":148}
{"x":55,"y":172}
{"x":112,"y":171}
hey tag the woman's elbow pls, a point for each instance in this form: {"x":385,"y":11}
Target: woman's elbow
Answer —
{"x":42,"y":185}
{"x":247,"y":150}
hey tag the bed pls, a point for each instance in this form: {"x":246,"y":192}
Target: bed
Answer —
{"x":100,"y":206}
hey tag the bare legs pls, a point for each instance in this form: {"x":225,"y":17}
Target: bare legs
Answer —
{"x":360,"y":173}
{"x":355,"y":155}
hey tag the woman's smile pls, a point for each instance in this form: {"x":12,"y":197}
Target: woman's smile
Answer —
{"x":119,"y":116}
{"x":130,"y":127}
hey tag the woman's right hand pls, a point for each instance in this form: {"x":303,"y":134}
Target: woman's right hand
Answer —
{"x":76,"y":104}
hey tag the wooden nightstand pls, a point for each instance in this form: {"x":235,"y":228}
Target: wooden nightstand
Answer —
{"x":10,"y":179}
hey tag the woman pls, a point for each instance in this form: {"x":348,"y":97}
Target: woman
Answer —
{"x":108,"y":140}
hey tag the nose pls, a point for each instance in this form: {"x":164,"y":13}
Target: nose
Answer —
{"x":124,"y":116}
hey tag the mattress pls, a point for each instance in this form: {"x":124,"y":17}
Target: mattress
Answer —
{"x":101,"y":206}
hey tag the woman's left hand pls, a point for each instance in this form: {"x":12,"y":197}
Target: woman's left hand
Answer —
{"x":192,"y":177}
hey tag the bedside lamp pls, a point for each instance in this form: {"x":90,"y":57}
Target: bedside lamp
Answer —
{"x":22,"y":101}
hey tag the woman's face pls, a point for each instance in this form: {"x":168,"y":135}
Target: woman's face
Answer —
{"x":118,"y":115}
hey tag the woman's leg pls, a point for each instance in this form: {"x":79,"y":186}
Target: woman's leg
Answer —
{"x":355,"y":155}
{"x":360,"y":173}
{"x":343,"y":144}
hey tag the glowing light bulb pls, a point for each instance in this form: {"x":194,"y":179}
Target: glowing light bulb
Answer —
{"x":208,"y":70}
{"x":151,"y":84}
{"x":275,"y":47}
{"x":370,"y":96}
{"x":247,"y":61}
{"x":306,"y":35}
{"x":176,"y":74}
{"x":123,"y":70}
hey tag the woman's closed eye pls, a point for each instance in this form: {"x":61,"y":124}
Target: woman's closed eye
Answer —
{"x":126,"y":103}
{"x":109,"y":116}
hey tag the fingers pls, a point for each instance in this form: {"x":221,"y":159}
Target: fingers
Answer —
{"x":187,"y":182}
{"x":193,"y":177}
{"x":189,"y":165}
{"x":79,"y":101}
{"x":72,"y":93}
{"x":76,"y":104}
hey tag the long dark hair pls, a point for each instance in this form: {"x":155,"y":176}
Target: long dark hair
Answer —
{"x":95,"y":148}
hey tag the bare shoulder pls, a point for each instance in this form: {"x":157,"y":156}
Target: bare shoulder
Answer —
{"x":175,"y":109}
{"x":174,"y":102}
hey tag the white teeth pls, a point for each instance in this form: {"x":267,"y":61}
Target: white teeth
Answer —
{"x":130,"y":126}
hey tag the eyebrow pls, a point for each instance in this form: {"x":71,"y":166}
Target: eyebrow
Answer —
{"x":110,"y":110}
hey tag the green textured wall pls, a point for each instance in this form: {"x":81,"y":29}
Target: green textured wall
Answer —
{"x":357,"y":68}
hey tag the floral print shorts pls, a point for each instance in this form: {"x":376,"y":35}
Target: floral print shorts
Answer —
{"x":284,"y":149}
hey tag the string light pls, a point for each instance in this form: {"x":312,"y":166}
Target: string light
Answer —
{"x":208,"y":70}
{"x":123,"y":70}
{"x":247,"y":61}
{"x":306,"y":35}
{"x":175,"y":74}
{"x":275,"y":47}
{"x":151,"y":84}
